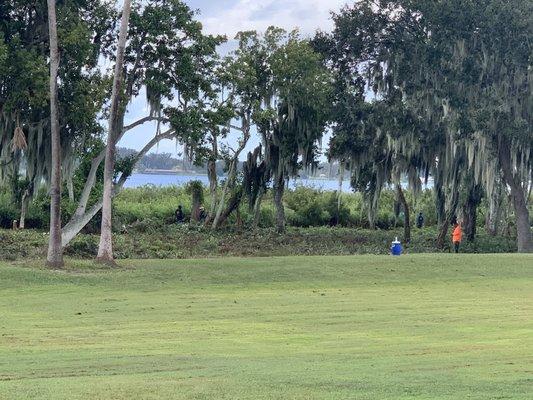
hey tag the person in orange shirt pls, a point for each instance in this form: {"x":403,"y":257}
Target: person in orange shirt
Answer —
{"x":457,"y":236}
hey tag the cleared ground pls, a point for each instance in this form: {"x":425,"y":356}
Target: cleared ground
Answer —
{"x":366,"y":327}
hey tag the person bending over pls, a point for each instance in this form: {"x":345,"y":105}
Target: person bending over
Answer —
{"x":457,"y":236}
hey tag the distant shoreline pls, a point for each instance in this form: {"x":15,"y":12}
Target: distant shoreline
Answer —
{"x":168,"y":172}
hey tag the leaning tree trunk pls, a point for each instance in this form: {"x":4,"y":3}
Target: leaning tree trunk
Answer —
{"x":518,"y":197}
{"x":230,"y":180}
{"x":257,"y":207}
{"x":407,"y":221}
{"x":105,"y":248}
{"x":54,"y":257}
{"x":80,"y":220}
{"x":213,"y":188}
{"x":233,"y":204}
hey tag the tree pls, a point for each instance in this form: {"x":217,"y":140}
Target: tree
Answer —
{"x":463,"y":74}
{"x":166,"y":58}
{"x":25,"y":89}
{"x":105,"y":248}
{"x":296,"y":112}
{"x":55,"y":251}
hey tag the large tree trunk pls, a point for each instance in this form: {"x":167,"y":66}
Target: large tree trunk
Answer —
{"x":518,"y":197}
{"x":279,"y":189}
{"x":105,"y":248}
{"x":447,"y":221}
{"x":54,"y":257}
{"x":470,"y":212}
{"x":407,"y":214}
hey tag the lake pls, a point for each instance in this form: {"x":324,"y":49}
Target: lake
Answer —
{"x":137,"y":179}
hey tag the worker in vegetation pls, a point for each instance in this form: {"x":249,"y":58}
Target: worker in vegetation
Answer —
{"x":420,"y":220}
{"x":457,"y":236}
{"x":179,"y":215}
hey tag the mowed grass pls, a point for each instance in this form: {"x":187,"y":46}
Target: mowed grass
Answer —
{"x":366,"y":327}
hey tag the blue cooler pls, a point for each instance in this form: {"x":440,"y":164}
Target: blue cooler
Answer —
{"x":396,"y":248}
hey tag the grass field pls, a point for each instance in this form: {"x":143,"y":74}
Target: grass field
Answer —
{"x":365,"y":327}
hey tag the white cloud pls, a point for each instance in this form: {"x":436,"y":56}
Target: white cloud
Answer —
{"x":307,"y":15}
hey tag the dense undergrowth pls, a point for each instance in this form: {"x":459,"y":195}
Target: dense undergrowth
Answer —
{"x":175,"y":241}
{"x":304,"y":207}
{"x":145,"y":228}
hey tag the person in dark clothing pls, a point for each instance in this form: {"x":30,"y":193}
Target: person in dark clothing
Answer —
{"x":420,"y":221}
{"x":202,"y":215}
{"x":179,"y":215}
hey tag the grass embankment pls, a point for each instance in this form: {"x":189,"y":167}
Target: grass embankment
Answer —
{"x":172,"y":241}
{"x":368,"y":327}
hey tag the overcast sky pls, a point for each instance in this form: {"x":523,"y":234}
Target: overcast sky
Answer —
{"x":229,"y":17}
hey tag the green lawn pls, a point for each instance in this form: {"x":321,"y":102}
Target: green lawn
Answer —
{"x":365,"y":327}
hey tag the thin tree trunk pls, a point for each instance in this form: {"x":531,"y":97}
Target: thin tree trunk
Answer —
{"x":213,"y":179}
{"x":494,"y":211}
{"x":105,"y":248}
{"x":24,"y":209}
{"x":54,"y":257}
{"x":339,"y":193}
{"x":213,"y":188}
{"x":407,"y":215}
{"x":229,"y":183}
{"x":70,"y":188}
{"x":279,"y":189}
{"x":518,"y":197}
{"x":257,"y":208}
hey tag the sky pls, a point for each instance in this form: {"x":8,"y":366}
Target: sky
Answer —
{"x":227,"y":17}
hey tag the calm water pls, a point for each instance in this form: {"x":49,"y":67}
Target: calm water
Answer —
{"x":136,"y":180}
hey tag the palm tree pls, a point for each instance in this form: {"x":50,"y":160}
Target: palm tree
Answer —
{"x":55,"y":252}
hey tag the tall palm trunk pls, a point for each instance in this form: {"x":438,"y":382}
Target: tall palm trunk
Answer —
{"x":105,"y":248}
{"x":54,"y":258}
